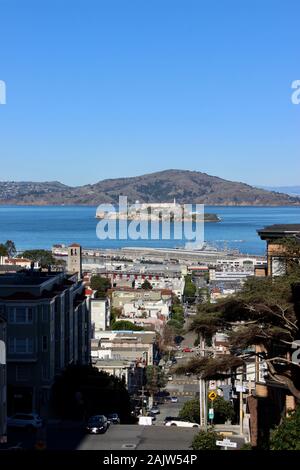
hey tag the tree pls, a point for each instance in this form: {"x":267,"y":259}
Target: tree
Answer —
{"x":100,"y":285}
{"x":126,"y":325}
{"x":146,"y":285}
{"x":287,"y":435}
{"x":11,"y":248}
{"x":223,"y":411}
{"x":81,"y":391}
{"x":44,"y":257}
{"x":3,"y":250}
{"x":189,"y":289}
{"x":264,"y":313}
{"x":176,"y":325}
{"x":155,"y":379}
{"x":206,"y":440}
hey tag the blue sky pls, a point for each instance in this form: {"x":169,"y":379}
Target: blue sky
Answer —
{"x":107,"y":88}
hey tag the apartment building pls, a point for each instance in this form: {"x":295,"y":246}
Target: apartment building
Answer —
{"x":3,"y":388}
{"x":48,"y":327}
{"x":124,"y":354}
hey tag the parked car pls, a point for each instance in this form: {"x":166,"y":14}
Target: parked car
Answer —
{"x":188,"y":374}
{"x":151,"y":415}
{"x":155,"y":410}
{"x":174,"y":399}
{"x":25,"y":420}
{"x":187,"y":350}
{"x":113,"y":418}
{"x":97,"y":424}
{"x":182,"y":424}
{"x":170,"y":377}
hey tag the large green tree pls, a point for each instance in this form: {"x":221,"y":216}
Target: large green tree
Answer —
{"x":81,"y":391}
{"x":100,"y":285}
{"x":223,"y":411}
{"x":155,"y":379}
{"x":44,"y":257}
{"x":287,"y":435}
{"x":264,"y":313}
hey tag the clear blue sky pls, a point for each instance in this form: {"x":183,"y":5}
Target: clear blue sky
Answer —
{"x":107,"y":88}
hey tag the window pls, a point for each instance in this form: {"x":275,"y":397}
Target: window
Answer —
{"x":44,"y":343}
{"x":45,"y":313}
{"x":20,"y":345}
{"x":45,"y":372}
{"x":22,"y":373}
{"x":20,"y":315}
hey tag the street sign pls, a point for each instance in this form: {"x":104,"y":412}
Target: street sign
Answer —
{"x":211,"y":413}
{"x":212,"y":385}
{"x":212,"y":395}
{"x":226,"y":443}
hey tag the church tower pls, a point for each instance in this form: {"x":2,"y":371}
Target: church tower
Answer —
{"x":75,"y":259}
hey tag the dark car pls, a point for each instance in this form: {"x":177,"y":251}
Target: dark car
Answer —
{"x":152,"y":415}
{"x":113,"y":418}
{"x":97,"y":424}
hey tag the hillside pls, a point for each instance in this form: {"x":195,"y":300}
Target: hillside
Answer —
{"x":164,"y":186}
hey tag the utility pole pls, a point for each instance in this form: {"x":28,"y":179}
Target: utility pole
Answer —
{"x":203,"y":393}
{"x":241,"y":411}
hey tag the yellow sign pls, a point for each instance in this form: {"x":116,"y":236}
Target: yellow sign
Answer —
{"x":212,"y":395}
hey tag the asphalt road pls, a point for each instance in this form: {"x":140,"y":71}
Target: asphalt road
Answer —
{"x":134,"y":437}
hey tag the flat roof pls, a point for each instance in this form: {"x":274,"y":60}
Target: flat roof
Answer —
{"x":277,"y":230}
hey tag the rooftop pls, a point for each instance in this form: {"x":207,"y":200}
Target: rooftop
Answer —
{"x":279,"y":230}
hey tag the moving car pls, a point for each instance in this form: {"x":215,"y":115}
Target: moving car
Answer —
{"x":174,"y":399}
{"x":97,"y":424}
{"x":25,"y":420}
{"x":187,"y":350}
{"x":113,"y":418}
{"x":182,"y":424}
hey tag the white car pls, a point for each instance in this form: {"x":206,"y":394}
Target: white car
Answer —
{"x":182,"y":424}
{"x":25,"y":420}
{"x":174,"y":399}
{"x":170,"y":377}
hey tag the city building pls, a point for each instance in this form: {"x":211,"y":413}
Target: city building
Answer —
{"x":124,"y":354}
{"x":3,"y":386}
{"x":48,"y":327}
{"x":272,"y":234}
{"x":100,"y":314}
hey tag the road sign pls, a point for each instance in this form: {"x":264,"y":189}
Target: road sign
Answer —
{"x":211,"y":413}
{"x":212,"y":385}
{"x":212,"y":395}
{"x":226,"y":443}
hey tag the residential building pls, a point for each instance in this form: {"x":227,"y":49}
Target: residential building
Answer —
{"x":272,"y":234}
{"x":122,"y":296}
{"x":100,"y":314}
{"x":124,"y":354}
{"x":48,"y":327}
{"x":3,"y":385}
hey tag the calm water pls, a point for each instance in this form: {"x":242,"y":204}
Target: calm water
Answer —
{"x":41,"y":227}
